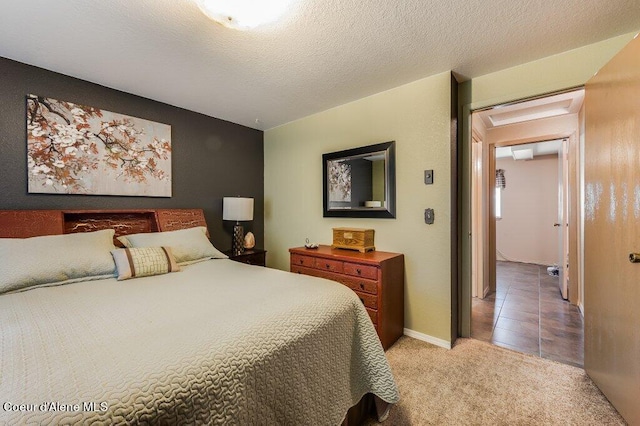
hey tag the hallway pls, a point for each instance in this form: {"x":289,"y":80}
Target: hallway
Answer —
{"x":527,"y":314}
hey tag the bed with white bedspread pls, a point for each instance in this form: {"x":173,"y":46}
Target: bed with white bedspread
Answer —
{"x":219,"y":342}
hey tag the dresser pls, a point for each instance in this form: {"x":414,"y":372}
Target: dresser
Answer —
{"x":377,"y":278}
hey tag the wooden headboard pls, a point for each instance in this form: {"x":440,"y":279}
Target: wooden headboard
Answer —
{"x":33,"y":223}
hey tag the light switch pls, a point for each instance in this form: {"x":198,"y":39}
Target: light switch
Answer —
{"x":429,"y":216}
{"x":428,"y":177}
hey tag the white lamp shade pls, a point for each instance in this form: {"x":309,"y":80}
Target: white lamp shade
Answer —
{"x":237,"y":208}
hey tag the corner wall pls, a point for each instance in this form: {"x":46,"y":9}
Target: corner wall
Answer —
{"x":417,"y":116}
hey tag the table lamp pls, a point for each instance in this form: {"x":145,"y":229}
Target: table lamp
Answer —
{"x":238,"y":209}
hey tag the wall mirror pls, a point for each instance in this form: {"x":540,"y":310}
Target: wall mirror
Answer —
{"x":360,"y":182}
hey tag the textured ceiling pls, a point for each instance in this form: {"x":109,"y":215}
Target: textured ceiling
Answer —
{"x":322,"y":54}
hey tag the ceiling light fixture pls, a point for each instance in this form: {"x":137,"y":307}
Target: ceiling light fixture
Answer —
{"x":522,"y":154}
{"x":243,"y":14}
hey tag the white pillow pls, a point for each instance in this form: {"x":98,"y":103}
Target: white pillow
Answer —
{"x":188,"y":245}
{"x":55,"y":259}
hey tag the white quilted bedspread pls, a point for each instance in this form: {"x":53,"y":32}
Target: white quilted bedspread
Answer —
{"x":218,"y":343}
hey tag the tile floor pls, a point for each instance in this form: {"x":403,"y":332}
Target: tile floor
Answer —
{"x":527,"y":314}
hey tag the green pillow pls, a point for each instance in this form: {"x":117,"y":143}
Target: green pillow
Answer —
{"x":55,"y":259}
{"x":188,"y":245}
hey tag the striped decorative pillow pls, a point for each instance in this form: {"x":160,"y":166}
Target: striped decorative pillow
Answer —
{"x":144,"y":261}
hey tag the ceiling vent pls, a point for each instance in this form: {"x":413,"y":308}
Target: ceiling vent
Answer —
{"x":522,"y":154}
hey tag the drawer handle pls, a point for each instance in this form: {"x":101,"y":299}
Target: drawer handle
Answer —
{"x":327,"y":265}
{"x":361,"y":286}
{"x":358,"y":271}
{"x":301,"y":261}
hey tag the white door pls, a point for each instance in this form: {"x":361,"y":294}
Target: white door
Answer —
{"x":479,"y":284}
{"x":561,"y":224}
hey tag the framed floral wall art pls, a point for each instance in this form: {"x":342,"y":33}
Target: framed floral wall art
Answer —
{"x":76,"y":149}
{"x":339,"y":181}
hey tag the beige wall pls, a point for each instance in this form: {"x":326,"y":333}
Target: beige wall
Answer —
{"x":417,"y":117}
{"x":529,"y":209}
{"x":564,"y":70}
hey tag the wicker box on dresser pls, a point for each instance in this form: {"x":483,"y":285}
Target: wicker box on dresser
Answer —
{"x":377,"y":277}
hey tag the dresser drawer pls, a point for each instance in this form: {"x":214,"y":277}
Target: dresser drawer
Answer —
{"x":374,"y":317}
{"x":328,"y":265}
{"x":377,"y":279}
{"x":299,"y":260}
{"x":368,"y":300}
{"x":358,"y":270}
{"x":309,"y":271}
{"x":359,"y":284}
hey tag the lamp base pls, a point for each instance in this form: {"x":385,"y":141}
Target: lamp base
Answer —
{"x":237,"y":246}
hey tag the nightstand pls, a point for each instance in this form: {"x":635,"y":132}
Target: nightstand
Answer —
{"x":251,"y":257}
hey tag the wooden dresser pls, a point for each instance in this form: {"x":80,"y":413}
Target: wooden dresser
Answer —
{"x":377,"y":277}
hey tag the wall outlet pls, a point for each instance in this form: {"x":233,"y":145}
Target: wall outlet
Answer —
{"x":429,"y":216}
{"x":428,"y":177}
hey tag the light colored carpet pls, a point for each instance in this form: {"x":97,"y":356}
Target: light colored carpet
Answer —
{"x":476,"y":383}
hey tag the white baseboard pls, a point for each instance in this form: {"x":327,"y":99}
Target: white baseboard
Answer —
{"x":426,"y":338}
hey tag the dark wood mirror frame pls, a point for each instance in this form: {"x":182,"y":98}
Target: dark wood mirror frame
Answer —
{"x":388,"y":209}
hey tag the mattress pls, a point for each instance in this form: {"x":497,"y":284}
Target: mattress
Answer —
{"x":220,"y":342}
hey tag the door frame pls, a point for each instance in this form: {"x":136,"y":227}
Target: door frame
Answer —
{"x":491,"y":171}
{"x":465,"y":281}
{"x":479,"y":226}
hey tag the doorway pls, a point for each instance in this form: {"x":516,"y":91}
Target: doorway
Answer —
{"x":525,"y":198}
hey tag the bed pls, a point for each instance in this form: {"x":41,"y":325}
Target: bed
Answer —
{"x":219,"y":342}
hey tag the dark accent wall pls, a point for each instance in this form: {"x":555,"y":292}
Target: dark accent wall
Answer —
{"x":211,"y":158}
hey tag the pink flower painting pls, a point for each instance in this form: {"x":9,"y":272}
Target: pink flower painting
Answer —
{"x":339,"y":181}
{"x":75,"y":149}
